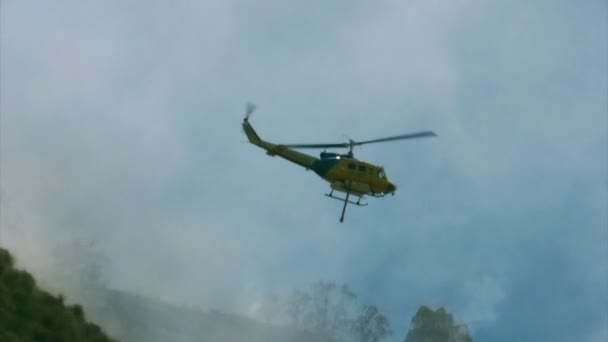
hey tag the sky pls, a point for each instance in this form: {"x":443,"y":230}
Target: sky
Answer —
{"x":120,"y":125}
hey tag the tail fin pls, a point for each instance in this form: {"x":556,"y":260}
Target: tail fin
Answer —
{"x":253,"y":137}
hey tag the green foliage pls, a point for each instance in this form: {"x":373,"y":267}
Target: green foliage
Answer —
{"x":30,"y":314}
{"x":436,"y":326}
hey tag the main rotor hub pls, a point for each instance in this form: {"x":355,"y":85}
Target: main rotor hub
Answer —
{"x":351,"y":145}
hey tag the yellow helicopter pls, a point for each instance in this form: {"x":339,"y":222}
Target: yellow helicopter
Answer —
{"x":344,"y":173}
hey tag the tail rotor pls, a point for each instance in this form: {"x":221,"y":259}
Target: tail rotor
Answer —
{"x":249,"y":110}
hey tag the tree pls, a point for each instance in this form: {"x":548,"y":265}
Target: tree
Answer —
{"x":297,"y":305}
{"x":332,"y":310}
{"x":436,"y":326}
{"x":371,"y":325}
{"x":322,"y":295}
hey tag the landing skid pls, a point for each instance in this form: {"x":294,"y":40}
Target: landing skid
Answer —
{"x":330,"y":195}
{"x":346,"y":201}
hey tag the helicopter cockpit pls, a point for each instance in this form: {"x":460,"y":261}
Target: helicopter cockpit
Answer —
{"x":381,"y":173}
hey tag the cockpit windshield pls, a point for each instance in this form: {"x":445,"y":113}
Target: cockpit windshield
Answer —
{"x":381,"y":174}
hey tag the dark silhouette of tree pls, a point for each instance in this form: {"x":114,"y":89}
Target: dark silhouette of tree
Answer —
{"x":436,"y":326}
{"x":371,"y":325}
{"x":331,"y":307}
{"x":297,"y":305}
{"x":322,"y":294}
{"x":332,"y":310}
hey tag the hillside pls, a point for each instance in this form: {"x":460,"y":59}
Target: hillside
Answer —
{"x":135,"y":318}
{"x":28,"y":313}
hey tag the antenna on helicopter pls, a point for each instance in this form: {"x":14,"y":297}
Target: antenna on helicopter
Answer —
{"x":250,"y":109}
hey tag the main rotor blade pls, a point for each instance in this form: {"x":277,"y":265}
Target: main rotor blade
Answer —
{"x":423,"y":134}
{"x":318,"y":145}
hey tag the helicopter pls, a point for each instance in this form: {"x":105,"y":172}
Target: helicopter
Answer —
{"x":344,"y":172}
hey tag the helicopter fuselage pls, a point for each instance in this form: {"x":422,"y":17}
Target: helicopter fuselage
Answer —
{"x":343,"y":172}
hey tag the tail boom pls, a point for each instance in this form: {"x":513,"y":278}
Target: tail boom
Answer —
{"x":302,"y":159}
{"x":253,"y":137}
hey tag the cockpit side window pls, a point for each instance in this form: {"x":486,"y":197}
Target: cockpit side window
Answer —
{"x":381,"y":174}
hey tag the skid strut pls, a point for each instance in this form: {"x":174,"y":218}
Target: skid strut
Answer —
{"x":345,"y":201}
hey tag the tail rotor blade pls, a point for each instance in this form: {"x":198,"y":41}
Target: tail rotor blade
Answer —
{"x":249,"y":110}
